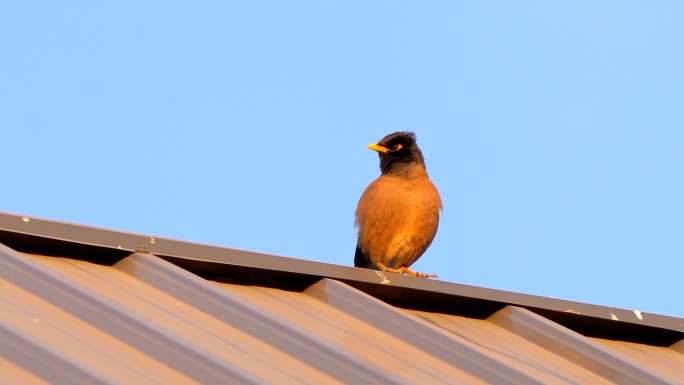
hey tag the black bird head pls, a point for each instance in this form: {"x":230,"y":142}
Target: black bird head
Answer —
{"x":397,"y":151}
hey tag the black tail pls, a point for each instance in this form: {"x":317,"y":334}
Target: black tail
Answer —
{"x":360,"y":260}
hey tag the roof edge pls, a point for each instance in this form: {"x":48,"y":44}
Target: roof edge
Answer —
{"x":106,"y":246}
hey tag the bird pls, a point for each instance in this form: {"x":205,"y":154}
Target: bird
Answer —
{"x":398,"y":213}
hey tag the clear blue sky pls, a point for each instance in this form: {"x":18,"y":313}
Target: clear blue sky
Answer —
{"x":555,"y":133}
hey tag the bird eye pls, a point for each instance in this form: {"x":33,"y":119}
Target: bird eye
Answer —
{"x":396,"y":147}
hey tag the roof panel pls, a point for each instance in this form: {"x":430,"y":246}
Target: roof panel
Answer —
{"x":576,"y":347}
{"x":455,"y":351}
{"x":68,"y":348}
{"x":104,"y":246}
{"x":514,"y":350}
{"x":13,"y":374}
{"x":154,"y":323}
{"x":389,"y":355}
{"x":301,"y":325}
{"x":655,"y":358}
{"x":143,"y":318}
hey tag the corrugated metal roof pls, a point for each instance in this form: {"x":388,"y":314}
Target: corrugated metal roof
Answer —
{"x":79,"y":307}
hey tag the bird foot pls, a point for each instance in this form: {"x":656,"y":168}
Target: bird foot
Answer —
{"x":417,"y":274}
{"x":405,"y":270}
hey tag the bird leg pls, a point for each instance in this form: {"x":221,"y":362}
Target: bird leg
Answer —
{"x":405,"y":270}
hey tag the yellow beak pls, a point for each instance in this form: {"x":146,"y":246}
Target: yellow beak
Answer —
{"x":378,"y":148}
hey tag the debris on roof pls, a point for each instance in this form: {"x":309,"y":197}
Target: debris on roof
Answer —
{"x":85,"y":305}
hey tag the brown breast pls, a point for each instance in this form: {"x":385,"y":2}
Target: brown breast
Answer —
{"x":397,"y":218}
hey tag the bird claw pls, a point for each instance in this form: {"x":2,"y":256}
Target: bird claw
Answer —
{"x":423,"y":275}
{"x":405,"y":270}
{"x":417,"y":274}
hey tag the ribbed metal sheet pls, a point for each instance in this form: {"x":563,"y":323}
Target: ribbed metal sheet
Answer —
{"x":106,"y":247}
{"x":144,"y":320}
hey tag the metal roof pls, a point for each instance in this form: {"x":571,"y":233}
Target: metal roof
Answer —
{"x":79,"y":305}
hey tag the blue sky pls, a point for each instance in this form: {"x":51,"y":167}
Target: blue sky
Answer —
{"x":554,"y":132}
